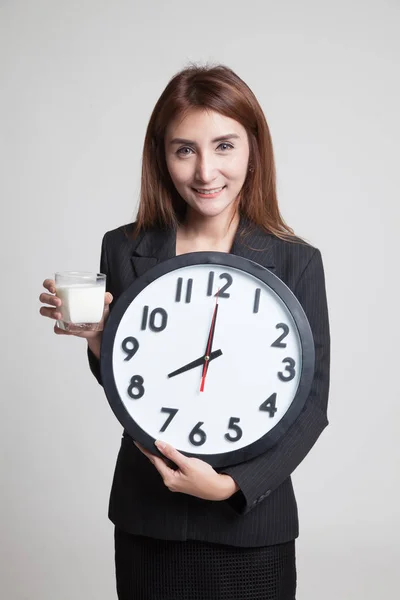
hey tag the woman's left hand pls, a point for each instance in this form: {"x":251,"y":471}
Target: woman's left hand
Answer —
{"x":193,"y":476}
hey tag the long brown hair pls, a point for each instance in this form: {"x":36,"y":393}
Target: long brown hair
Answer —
{"x":218,"y":89}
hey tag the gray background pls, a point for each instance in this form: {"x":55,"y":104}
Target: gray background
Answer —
{"x":78,"y":82}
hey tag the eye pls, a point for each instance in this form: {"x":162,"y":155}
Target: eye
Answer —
{"x":227,"y":146}
{"x":182,"y":152}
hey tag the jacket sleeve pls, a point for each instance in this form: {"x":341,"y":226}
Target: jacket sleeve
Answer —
{"x":94,"y":362}
{"x":259,"y":477}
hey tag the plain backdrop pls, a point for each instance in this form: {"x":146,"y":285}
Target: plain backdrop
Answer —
{"x":79,"y":80}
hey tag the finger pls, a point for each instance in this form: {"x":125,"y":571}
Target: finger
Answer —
{"x":50,"y":299}
{"x":50,"y":285}
{"x":144,"y":451}
{"x":60,"y":331}
{"x":108,"y":298}
{"x":156,"y":460}
{"x":173,"y":454}
{"x":165,"y":471}
{"x":169,"y":476}
{"x":52,"y":313}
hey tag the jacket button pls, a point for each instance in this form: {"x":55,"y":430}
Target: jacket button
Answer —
{"x":267,"y":493}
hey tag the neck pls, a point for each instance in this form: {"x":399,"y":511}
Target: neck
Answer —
{"x":211,"y":229}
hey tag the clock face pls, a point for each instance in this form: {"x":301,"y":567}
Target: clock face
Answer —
{"x":239,"y":400}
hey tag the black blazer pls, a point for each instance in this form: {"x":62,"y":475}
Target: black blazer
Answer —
{"x":264,"y":511}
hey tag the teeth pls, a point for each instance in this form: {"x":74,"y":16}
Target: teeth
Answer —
{"x":209,"y":191}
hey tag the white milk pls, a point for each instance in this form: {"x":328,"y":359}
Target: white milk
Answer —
{"x":81,"y":302}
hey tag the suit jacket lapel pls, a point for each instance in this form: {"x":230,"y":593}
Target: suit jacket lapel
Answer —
{"x":157,"y":245}
{"x":253,"y":243}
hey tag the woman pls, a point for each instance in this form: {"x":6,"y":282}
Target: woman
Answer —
{"x":208,"y":183}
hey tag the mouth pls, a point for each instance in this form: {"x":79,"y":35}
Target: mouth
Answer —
{"x":209,"y":193}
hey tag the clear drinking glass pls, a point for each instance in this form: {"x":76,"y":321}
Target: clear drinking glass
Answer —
{"x":82,"y":296}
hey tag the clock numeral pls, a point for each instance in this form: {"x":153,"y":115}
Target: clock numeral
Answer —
{"x":161,"y":312}
{"x":196,"y":431}
{"x":130,"y":352}
{"x":290,"y":369}
{"x":210,"y":283}
{"x":233,"y":425}
{"x":257,"y":300}
{"x":222,"y":292}
{"x":269,"y":405}
{"x":136,"y":384}
{"x":189,"y":287}
{"x":171,"y":412}
{"x":278,"y":342}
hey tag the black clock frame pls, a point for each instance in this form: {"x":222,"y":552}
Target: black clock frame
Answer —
{"x":224,"y":260}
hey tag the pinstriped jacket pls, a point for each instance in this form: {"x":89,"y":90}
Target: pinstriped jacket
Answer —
{"x":264,"y":510}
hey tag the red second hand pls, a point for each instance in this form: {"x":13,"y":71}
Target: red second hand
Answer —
{"x":205,"y":367}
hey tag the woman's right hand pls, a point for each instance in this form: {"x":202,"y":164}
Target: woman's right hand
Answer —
{"x":53,"y":312}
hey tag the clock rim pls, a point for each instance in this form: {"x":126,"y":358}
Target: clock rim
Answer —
{"x":222,"y":259}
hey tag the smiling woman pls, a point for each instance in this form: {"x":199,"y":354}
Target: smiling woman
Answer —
{"x":208,"y":139}
{"x":184,"y":529}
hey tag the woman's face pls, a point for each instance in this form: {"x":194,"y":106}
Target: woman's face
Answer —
{"x":207,"y":156}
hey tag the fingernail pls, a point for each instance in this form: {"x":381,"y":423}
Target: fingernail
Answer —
{"x":160,"y":444}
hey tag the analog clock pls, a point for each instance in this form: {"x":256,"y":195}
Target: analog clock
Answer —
{"x":210,"y":352}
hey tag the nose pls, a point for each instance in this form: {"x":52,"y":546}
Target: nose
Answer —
{"x":205,"y":168}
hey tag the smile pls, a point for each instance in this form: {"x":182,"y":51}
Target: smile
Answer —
{"x":212,"y":192}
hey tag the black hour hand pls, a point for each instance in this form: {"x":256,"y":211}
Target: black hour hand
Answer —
{"x":196,"y":363}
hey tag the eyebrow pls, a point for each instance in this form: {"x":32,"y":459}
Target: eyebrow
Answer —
{"x":222,"y":138}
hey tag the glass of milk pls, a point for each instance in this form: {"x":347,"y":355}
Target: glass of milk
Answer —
{"x":82,"y":296}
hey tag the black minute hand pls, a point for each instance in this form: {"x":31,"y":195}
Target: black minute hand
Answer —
{"x":196,"y":363}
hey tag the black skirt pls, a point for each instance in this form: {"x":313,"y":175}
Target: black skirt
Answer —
{"x":150,"y":569}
